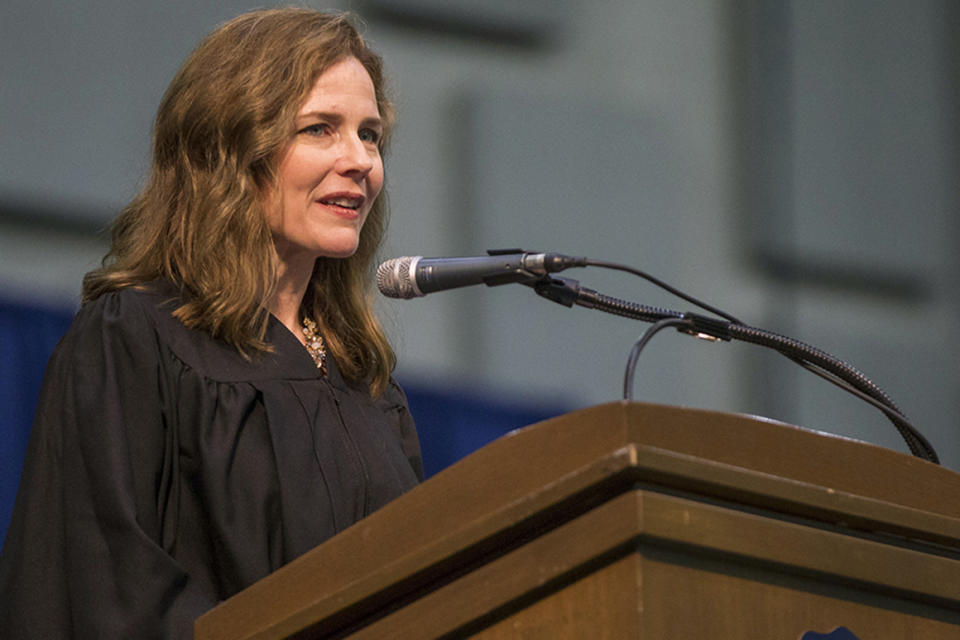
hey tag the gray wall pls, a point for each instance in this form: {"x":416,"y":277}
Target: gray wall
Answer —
{"x":794,"y":163}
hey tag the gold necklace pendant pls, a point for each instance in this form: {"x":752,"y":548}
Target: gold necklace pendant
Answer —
{"x":315,"y":346}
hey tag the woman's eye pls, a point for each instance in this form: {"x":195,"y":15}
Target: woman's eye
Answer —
{"x":314,"y":129}
{"x":370,"y":135}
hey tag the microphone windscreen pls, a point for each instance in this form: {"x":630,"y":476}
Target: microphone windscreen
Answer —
{"x":394,"y":279}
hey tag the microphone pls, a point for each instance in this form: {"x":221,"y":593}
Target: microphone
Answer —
{"x":413,"y":277}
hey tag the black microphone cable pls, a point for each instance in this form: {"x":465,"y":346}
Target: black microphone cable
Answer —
{"x":663,"y":285}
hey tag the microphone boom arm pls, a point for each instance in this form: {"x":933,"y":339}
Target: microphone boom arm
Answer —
{"x":568,"y":292}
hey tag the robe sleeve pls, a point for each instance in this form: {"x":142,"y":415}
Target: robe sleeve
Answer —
{"x":83,"y":556}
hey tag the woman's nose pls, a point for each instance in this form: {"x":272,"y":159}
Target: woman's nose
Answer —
{"x":355,"y":156}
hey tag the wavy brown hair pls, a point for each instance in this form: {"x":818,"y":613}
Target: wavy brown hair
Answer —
{"x":199,"y":222}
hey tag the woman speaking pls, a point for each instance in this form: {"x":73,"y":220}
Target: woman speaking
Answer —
{"x":222,"y":402}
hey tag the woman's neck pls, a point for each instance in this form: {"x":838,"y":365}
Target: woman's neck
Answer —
{"x":292,"y":282}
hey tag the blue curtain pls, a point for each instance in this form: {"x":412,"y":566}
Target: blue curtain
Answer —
{"x":451,"y":423}
{"x":28,"y":334}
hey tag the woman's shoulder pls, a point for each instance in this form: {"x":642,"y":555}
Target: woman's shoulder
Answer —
{"x":147,"y":312}
{"x":120,"y":319}
{"x":117,"y":326}
{"x":127,"y":313}
{"x":131,"y":303}
{"x":151,"y":307}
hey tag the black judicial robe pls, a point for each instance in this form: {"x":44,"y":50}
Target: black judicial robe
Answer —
{"x":165,"y":472}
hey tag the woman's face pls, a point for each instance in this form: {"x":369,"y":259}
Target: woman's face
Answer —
{"x":331,"y":173}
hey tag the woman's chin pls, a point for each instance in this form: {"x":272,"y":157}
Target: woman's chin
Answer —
{"x":339,"y":251}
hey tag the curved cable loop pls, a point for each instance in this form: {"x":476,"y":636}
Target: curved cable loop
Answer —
{"x":638,"y":347}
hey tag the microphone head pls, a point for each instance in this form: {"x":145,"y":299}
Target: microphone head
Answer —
{"x":396,"y":278}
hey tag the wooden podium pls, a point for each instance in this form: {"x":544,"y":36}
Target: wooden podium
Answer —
{"x":636,"y":521}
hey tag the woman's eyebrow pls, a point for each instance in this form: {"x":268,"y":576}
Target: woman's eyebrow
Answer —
{"x":371,"y":121}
